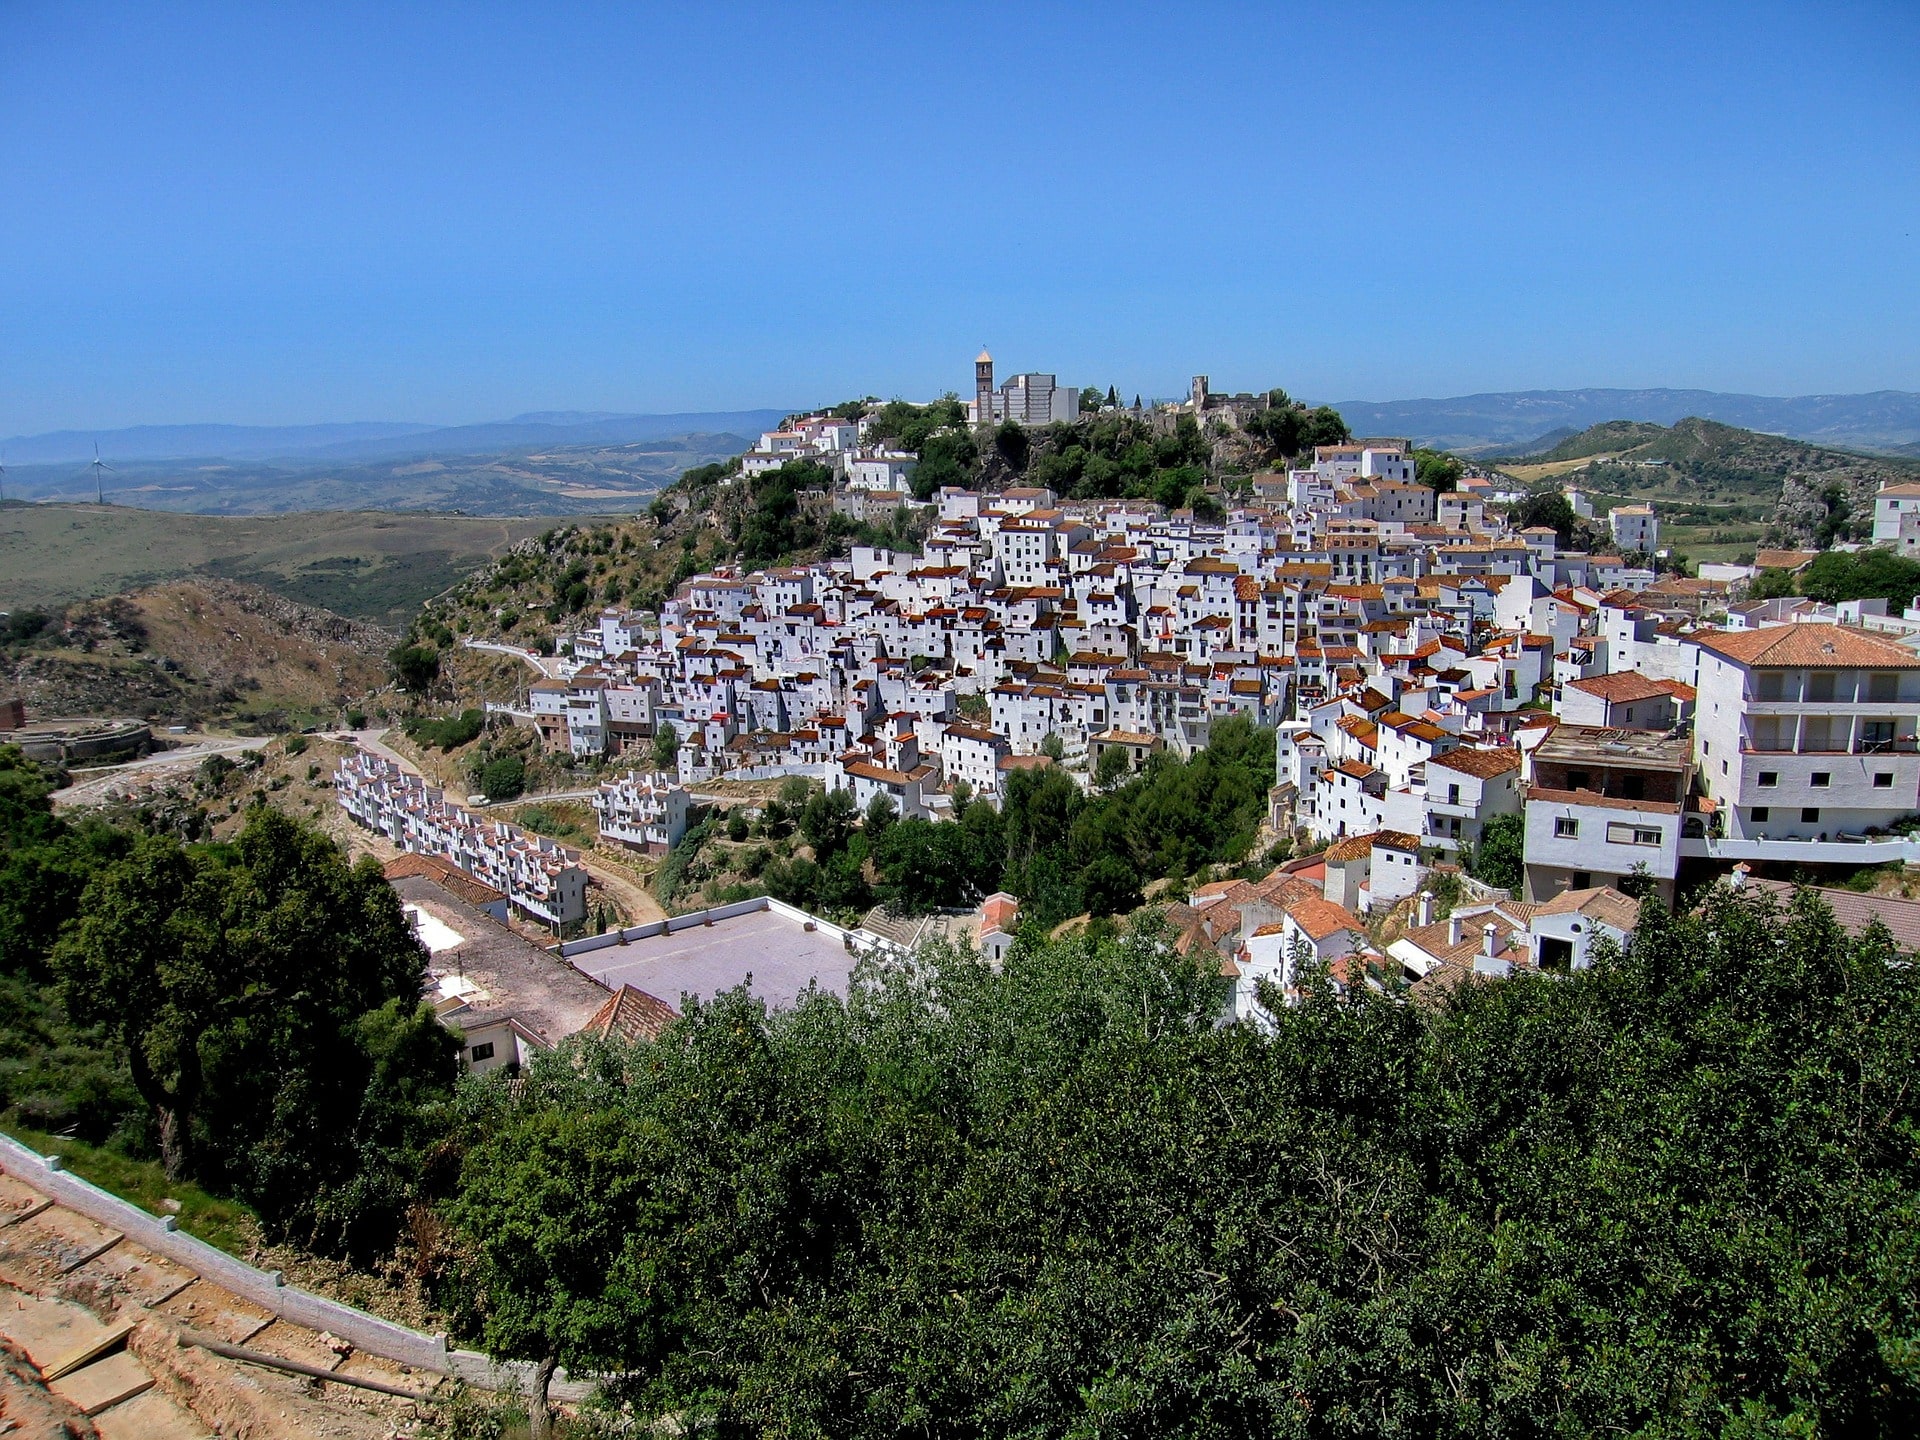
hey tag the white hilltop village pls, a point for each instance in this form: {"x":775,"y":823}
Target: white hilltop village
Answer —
{"x":1424,"y":667}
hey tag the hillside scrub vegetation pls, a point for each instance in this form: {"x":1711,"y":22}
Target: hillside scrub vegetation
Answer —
{"x":1674,"y":1195}
{"x":1702,"y":472}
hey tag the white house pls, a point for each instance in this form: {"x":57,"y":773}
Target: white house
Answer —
{"x":644,"y":811}
{"x":1603,"y":803}
{"x":1634,"y":527}
{"x":1896,"y":517}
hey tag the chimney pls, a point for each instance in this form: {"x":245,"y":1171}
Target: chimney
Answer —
{"x":1453,"y":930}
{"x":1489,"y":944}
{"x":1423,"y":909}
{"x":1739,"y":876}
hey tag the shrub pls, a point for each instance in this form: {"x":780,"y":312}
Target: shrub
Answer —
{"x":503,"y":778}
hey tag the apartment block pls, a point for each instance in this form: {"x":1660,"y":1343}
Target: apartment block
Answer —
{"x":538,"y":876}
{"x":644,"y":811}
{"x":1807,"y":731}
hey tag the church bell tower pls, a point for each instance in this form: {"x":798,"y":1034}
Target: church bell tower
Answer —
{"x":983,"y":388}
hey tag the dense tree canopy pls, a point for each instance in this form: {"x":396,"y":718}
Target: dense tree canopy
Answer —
{"x":770,"y":524}
{"x":1500,"y":857}
{"x":1289,"y":428}
{"x":249,"y":1010}
{"x":1674,"y":1195}
{"x":416,"y":668}
{"x":264,"y":998}
{"x":1872,"y":574}
{"x":1058,"y":850}
{"x":1438,"y":470}
{"x":1548,"y":508}
{"x":1113,"y":455}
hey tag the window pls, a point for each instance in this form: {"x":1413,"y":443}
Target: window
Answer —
{"x":1619,"y":834}
{"x":1810,"y":815}
{"x":1769,"y":779}
{"x":1883,"y":684}
{"x":1883,"y":779}
{"x":1583,"y":880}
{"x":1770,"y":685}
{"x":1579,"y":780}
{"x":483,"y":1052}
{"x":1565,"y":829}
{"x":1820,"y":779}
{"x":1760,"y":813}
{"x":1820,"y":685}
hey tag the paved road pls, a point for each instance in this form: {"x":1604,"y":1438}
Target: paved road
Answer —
{"x":90,"y":785}
{"x":547,"y":665}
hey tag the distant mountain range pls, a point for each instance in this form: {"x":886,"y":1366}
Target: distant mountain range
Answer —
{"x":1522,"y":422}
{"x":374,"y":440}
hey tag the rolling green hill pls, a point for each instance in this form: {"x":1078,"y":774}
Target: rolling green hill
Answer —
{"x":368,"y":565}
{"x":1705,"y":474}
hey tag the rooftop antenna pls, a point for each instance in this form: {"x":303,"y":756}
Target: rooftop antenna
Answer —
{"x":99,"y":482}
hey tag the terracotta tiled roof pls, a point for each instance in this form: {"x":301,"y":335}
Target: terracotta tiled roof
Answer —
{"x":1322,"y":918}
{"x":448,"y":877}
{"x":632,"y":1014}
{"x":1620,"y":688}
{"x":1481,"y":763}
{"x":1799,"y":646}
{"x":1602,"y":903}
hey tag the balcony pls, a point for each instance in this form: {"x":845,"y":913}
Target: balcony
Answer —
{"x":1899,"y":745}
{"x":1845,"y":850}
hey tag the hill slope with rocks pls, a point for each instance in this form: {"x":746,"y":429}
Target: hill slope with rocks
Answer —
{"x":194,"y":651}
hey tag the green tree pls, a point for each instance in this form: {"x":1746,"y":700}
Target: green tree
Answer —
{"x":666,"y":747}
{"x":826,"y":820}
{"x":881,"y":812}
{"x":1500,"y":857}
{"x":1437,"y":469}
{"x":551,"y":1202}
{"x":416,"y":668}
{"x":1548,"y":508}
{"x":1011,"y":443}
{"x":1112,"y":768}
{"x":236,"y":978}
{"x":1862,"y":575}
{"x":1672,"y":1194}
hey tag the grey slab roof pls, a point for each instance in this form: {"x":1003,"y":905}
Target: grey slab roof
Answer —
{"x":779,"y":955}
{"x":521,"y":980}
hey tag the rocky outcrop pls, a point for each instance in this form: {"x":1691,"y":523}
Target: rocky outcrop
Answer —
{"x":1819,"y":505}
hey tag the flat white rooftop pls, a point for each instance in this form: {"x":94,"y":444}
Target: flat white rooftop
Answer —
{"x":777,"y":953}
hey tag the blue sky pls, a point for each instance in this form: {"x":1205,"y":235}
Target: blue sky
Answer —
{"x":278,"y":214}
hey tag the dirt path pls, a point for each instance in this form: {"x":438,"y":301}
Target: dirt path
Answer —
{"x":91,"y":786}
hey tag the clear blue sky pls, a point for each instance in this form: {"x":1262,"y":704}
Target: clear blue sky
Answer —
{"x":272,"y":214}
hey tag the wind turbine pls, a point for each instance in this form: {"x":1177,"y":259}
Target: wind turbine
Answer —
{"x":3,"y":475}
{"x":99,"y":483}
